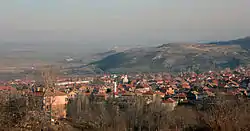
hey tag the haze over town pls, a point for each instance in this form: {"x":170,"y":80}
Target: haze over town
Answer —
{"x":124,"y":65}
{"x":113,"y":22}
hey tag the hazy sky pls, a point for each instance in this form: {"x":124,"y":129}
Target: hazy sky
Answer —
{"x":123,"y":21}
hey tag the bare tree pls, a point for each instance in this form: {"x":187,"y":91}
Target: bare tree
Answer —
{"x":226,"y":114}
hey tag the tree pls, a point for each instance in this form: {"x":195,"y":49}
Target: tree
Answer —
{"x":108,"y":90}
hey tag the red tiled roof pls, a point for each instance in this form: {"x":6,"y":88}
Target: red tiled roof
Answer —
{"x":54,"y":93}
{"x":120,"y":86}
{"x":160,"y":81}
{"x":169,"y":100}
{"x":215,"y":82}
{"x":185,"y":85}
{"x":38,"y":93}
{"x":7,"y":88}
{"x":159,"y":93}
{"x":166,"y":81}
{"x":181,"y":95}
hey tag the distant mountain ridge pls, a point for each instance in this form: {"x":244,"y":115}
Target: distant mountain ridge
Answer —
{"x":243,"y":42}
{"x":177,"y":57}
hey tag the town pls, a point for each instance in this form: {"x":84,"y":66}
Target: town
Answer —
{"x":185,"y":88}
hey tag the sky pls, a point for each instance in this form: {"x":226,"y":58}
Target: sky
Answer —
{"x":101,"y":22}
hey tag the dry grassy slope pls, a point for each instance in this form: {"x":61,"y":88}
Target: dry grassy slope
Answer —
{"x":175,"y":57}
{"x":243,"y":42}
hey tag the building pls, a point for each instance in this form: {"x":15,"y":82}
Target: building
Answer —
{"x":169,"y":104}
{"x":55,"y":103}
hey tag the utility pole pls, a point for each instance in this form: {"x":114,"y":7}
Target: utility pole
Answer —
{"x":115,"y":89}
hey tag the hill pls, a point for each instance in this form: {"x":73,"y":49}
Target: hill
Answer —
{"x":176,"y":57}
{"x":243,"y":42}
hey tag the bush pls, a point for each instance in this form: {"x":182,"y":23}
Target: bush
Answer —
{"x":220,"y":115}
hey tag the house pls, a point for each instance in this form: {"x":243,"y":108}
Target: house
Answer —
{"x":194,"y":95}
{"x":160,"y":82}
{"x":215,"y":83}
{"x":185,"y":85}
{"x":127,"y":96}
{"x":127,"y":93}
{"x":170,"y":104}
{"x":125,"y":79}
{"x":149,"y":96}
{"x":101,"y":97}
{"x":72,"y":94}
{"x":83,"y":88}
{"x":161,"y":94}
{"x":205,"y":88}
{"x":7,"y":88}
{"x":234,"y":84}
{"x":86,"y":93}
{"x":209,"y":93}
{"x":55,"y":103}
{"x":170,"y":91}
{"x":181,"y":97}
{"x":247,"y":93}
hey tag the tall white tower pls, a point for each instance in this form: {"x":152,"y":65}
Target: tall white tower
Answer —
{"x":115,"y":86}
{"x":115,"y":89}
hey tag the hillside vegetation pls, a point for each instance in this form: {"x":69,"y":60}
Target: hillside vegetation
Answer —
{"x":177,"y":57}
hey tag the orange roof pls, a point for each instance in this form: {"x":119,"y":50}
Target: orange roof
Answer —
{"x":169,"y":100}
{"x":128,"y":94}
{"x":54,"y":93}
{"x":216,"y":82}
{"x":7,"y":88}
{"x":185,"y":85}
{"x":181,"y":95}
{"x":120,"y":86}
{"x":159,"y":93}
